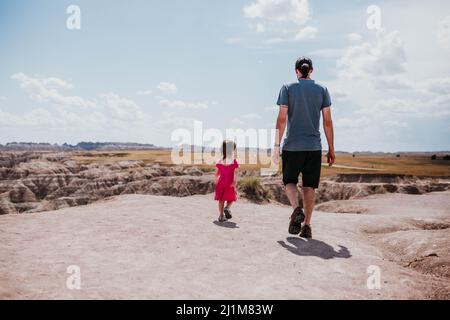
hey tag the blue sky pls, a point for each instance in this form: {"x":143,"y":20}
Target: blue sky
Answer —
{"x":138,"y":70}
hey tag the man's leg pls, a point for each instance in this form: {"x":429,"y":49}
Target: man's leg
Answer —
{"x":309,"y":198}
{"x":291,"y":170}
{"x":311,"y":179}
{"x":292,"y":163}
{"x":292,"y":194}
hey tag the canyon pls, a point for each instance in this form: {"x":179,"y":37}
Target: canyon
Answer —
{"x":43,"y":181}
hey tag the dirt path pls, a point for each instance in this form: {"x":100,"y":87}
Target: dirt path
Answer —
{"x":154,"y":247}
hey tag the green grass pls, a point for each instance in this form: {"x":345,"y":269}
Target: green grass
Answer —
{"x":253,"y":189}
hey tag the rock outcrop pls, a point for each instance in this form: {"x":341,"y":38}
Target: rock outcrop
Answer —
{"x":39,"y":182}
{"x":354,"y":186}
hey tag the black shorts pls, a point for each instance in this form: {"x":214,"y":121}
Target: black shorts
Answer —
{"x":308,"y":163}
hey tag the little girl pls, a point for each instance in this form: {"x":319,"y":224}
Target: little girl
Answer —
{"x":226,"y":177}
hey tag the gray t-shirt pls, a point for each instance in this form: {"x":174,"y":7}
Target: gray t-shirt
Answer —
{"x":305,"y":100}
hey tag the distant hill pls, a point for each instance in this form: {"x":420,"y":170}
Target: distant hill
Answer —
{"x":114,"y":146}
{"x":111,"y":146}
{"x":89,"y":146}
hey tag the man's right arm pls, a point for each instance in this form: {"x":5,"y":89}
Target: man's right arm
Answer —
{"x":280,"y":127}
{"x":283,"y":102}
{"x":329,"y":133}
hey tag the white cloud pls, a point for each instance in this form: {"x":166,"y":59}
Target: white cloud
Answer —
{"x":384,"y":57}
{"x":339,"y":94}
{"x":245,"y":119}
{"x":443,"y":33}
{"x":56,"y":116}
{"x":276,"y":40}
{"x":352,"y":123}
{"x":381,"y":84}
{"x":36,"y":117}
{"x":57,"y":83}
{"x":233,"y":40}
{"x":306,"y":33}
{"x":106,"y":112}
{"x":182,"y":104}
{"x":144,"y":92}
{"x":173,"y":120}
{"x":328,"y":52}
{"x":383,"y":98}
{"x":279,"y":21}
{"x":394,"y":82}
{"x":427,"y":106}
{"x":122,"y":108}
{"x":237,"y":121}
{"x":394,"y":123}
{"x":259,"y":28}
{"x":167,"y":88}
{"x":295,"y":11}
{"x":46,"y":90}
{"x":438,"y":85}
{"x":354,"y":37}
{"x":105,"y":118}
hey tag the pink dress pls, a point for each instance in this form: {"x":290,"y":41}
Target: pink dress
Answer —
{"x":225,"y":191}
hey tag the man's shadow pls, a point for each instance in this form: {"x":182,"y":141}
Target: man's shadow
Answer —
{"x":226,"y":224}
{"x":313,"y":247}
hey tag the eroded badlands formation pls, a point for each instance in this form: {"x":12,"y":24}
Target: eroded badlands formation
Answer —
{"x":34,"y":182}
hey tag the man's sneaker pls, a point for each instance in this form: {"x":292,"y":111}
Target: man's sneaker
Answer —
{"x":227,"y":212}
{"x":222,"y":219}
{"x":306,"y":232}
{"x":297,"y":218}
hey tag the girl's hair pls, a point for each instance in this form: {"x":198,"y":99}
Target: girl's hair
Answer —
{"x":227,"y":148}
{"x":304,"y":65}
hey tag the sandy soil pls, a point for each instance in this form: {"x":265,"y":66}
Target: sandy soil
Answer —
{"x":140,"y":247}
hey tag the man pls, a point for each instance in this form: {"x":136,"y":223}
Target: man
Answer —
{"x":301,"y":105}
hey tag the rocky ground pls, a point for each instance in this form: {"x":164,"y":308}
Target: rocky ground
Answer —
{"x":35,"y":182}
{"x":141,"y":230}
{"x":145,"y":246}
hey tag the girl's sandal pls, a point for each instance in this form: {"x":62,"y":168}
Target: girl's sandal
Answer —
{"x":227,"y":212}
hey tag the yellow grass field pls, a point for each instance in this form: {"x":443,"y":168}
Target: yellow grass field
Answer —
{"x":419,"y":165}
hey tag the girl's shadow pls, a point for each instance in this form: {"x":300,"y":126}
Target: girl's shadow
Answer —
{"x":312,"y":247}
{"x":226,"y":224}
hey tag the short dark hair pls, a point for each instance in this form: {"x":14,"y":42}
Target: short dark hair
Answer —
{"x":304,"y":65}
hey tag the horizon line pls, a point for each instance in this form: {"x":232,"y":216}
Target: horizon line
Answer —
{"x":199,"y":146}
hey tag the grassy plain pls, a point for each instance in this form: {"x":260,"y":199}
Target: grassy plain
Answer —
{"x":415,"y":164}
